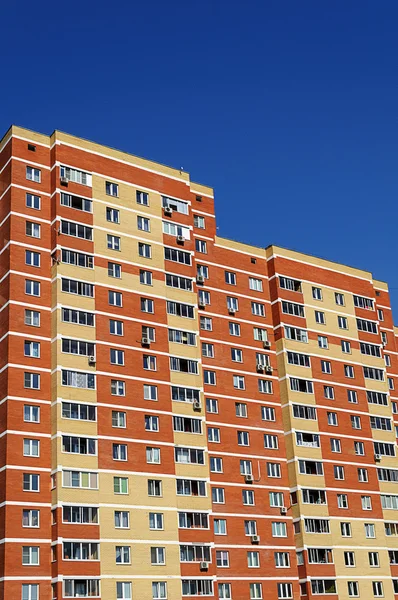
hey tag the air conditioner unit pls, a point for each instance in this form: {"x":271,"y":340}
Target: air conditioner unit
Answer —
{"x":180,"y":239}
{"x":268,"y":369}
{"x":202,"y":305}
{"x":204,"y":565}
{"x":249,"y":478}
{"x":145,"y":341}
{"x":267,"y":344}
{"x":91,"y":360}
{"x":197,"y":405}
{"x":255,"y":539}
{"x":377,"y":457}
{"x":260,"y":368}
{"x":200,"y":279}
{"x":283,"y":510}
{"x":168,"y":210}
{"x":231,"y":311}
{"x":64,"y":180}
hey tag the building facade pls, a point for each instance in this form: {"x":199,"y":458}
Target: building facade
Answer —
{"x":182,"y":415}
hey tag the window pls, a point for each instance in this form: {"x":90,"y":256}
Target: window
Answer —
{"x":33,"y":201}
{"x":145,"y":277}
{"x":339,"y":299}
{"x":202,"y":271}
{"x":80,"y":288}
{"x":253,"y":559}
{"x":218,"y":495}
{"x":238,"y":382}
{"x":149,"y":362}
{"x":209,"y":377}
{"x":323,"y":342}
{"x":159,"y":590}
{"x":260,"y":334}
{"x":230,"y":278}
{"x":349,"y":371}
{"x":147,"y":305}
{"x":118,"y":387}
{"x":270,"y":441}
{"x":216,"y":465}
{"x":369,"y":530}
{"x":326,"y":367}
{"x":32,"y":258}
{"x":32,"y":288}
{"x":208,"y":350}
{"x":32,"y":318}
{"x":201,"y":246}
{"x":158,"y":555}
{"x":368,"y":326}
{"x":151,"y":423}
{"x":362,"y":475}
{"x":220,"y":527}
{"x":211,"y":405}
{"x":328,"y":392}
{"x":33,"y":174}
{"x":183,"y":394}
{"x":76,"y":202}
{"x":274,"y":470}
{"x":359,"y":448}
{"x":372,"y":373}
{"x":232,"y":304}
{"x":362,"y":302}
{"x":377,"y":589}
{"x":342,"y":501}
{"x":279,"y":529}
{"x":76,"y":176}
{"x":178,"y":256}
{"x":30,"y":555}
{"x":236,"y":355}
{"x":349,"y":559}
{"x":31,"y":447}
{"x":240,"y":409}
{"x":301,"y":385}
{"x":264,"y":386}
{"x":352,"y":396}
{"x":255,"y":284}
{"x":32,"y":381}
{"x":320,"y":317}
{"x":285,"y":590}
{"x":206,"y":323}
{"x":199,"y":222}
{"x":123,"y":590}
{"x":243,"y":438}
{"x":290,"y":284}
{"x":143,"y":224}
{"x":276,"y":499}
{"x":256,"y":591}
{"x":177,"y":205}
{"x":234,"y":329}
{"x":355,"y":422}
{"x":332,"y":419}
{"x":342,"y":322}
{"x":155,"y":521}
{"x":335,"y":445}
{"x":123,"y":555}
{"x":291,"y":308}
{"x":258,"y":309}
{"x":317,"y":293}
{"x":111,"y":189}
{"x":30,"y":591}
{"x":302,"y":411}
{"x":30,"y":518}
{"x":80,"y":479}
{"x":222,"y":558}
{"x":31,"y":413}
{"x":366,"y":502}
{"x":144,"y":250}
{"x":267,"y":413}
{"x":248,"y":498}
{"x":32,"y":230}
{"x":296,"y":358}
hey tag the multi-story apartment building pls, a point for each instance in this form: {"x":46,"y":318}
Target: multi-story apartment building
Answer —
{"x":182,"y":415}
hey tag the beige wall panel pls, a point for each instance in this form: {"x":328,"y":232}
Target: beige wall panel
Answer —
{"x":313,"y":510}
{"x":297,"y":371}
{"x":76,"y":332}
{"x":307,"y":258}
{"x":70,"y":271}
{"x":142,"y":588}
{"x":140,"y":561}
{"x":186,"y":408}
{"x":137,"y":490}
{"x":184,"y":351}
{"x":188,"y":471}
{"x":303,"y":425}
{"x":175,"y":322}
{"x":129,"y":249}
{"x":71,"y":393}
{"x":194,"y":502}
{"x":378,"y":386}
{"x":180,"y":296}
{"x":75,"y":495}
{"x":188,"y":440}
{"x":186,"y":379}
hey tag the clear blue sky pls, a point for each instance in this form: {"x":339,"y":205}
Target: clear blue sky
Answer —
{"x":288,"y":108}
